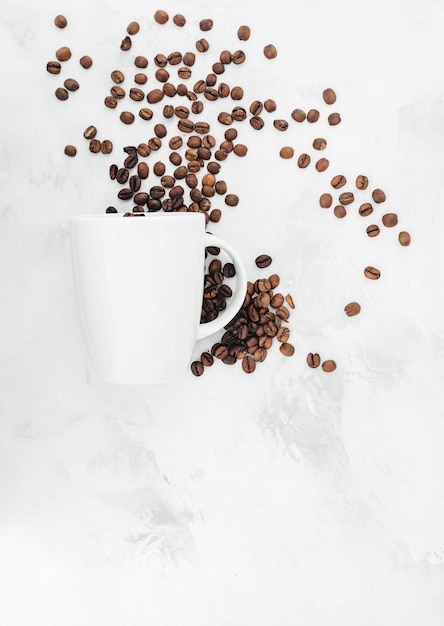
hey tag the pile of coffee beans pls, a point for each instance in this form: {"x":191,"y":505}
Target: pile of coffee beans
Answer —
{"x":260,"y":322}
{"x":189,"y":177}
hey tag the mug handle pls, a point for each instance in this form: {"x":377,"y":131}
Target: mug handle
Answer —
{"x":236,"y":301}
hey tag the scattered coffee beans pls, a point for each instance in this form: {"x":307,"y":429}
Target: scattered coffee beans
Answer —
{"x":53,"y":67}
{"x":352,"y":308}
{"x":263,"y":260}
{"x":313,"y":360}
{"x":404,"y":238}
{"x":326,"y":200}
{"x":372,"y":230}
{"x":361,"y":182}
{"x":390,"y":219}
{"x":161,"y":17}
{"x":63,"y":54}
{"x":372,"y":273}
{"x":339,"y":211}
{"x":329,"y":96}
{"x":61,"y":93}
{"x":270,"y":51}
{"x":329,"y":365}
{"x":378,"y":196}
{"x":244,"y":33}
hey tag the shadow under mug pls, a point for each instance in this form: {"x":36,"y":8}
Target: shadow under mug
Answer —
{"x":139,"y":283}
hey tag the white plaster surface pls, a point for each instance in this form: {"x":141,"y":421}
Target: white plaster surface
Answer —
{"x":289,"y":497}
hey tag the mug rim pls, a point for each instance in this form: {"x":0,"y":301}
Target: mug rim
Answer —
{"x":152,"y":215}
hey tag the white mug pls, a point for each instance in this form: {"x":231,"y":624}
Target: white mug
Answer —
{"x":139,"y":282}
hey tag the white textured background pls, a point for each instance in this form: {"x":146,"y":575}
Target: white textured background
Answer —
{"x":288,"y":497}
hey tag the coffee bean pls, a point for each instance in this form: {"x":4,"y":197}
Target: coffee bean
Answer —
{"x":319,"y":143}
{"x":298,"y":115}
{"x":53,"y":67}
{"x":329,"y":365}
{"x":313,"y":359}
{"x":240,"y":149}
{"x":270,"y":51}
{"x":365,"y":209}
{"x":243,"y":32}
{"x":122,"y":175}
{"x":211,"y":94}
{"x":281,"y":125}
{"x":126,"y":117}
{"x":159,"y":168}
{"x":169,"y":90}
{"x":313,"y":116}
{"x":213,"y":167}
{"x":90,"y":132}
{"x":174,"y":58}
{"x":111,"y":209}
{"x":263,"y":260}
{"x":287,"y":349}
{"x":238,"y":57}
{"x":304,"y":160}
{"x":339,"y":211}
{"x":286,"y":152}
{"x":197,"y":107}
{"x":289,"y":300}
{"x":257,"y":122}
{"x":125,"y":194}
{"x":106,"y":146}
{"x":185,"y":125}
{"x":248,"y":364}
{"x":334,"y":119}
{"x":329,"y":96}
{"x":256,"y":107}
{"x":162,"y":75}
{"x":113,"y":169}
{"x":136,"y":94}
{"x":378,"y":196}
{"x":322,"y":164}
{"x":231,"y":199}
{"x":95,"y":146}
{"x":133,"y":28}
{"x":110,"y":102}
{"x":63,"y":53}
{"x":143,"y":170}
{"x":154,"y":96}
{"x":126,"y":43}
{"x":224,"y":118}
{"x":352,"y":309}
{"x":338,"y":181}
{"x":361,"y":182}
{"x":60,"y":21}
{"x":202,"y":45}
{"x":160,"y":131}
{"x":117,"y":92}
{"x":179,"y":20}
{"x":146,"y":114}
{"x":161,"y":17}
{"x":184,"y":72}
{"x":277,"y":300}
{"x":346,"y":197}
{"x":141,"y":198}
{"x":390,"y":219}
{"x":197,"y":368}
{"x":372,"y":230}
{"x":131,"y":160}
{"x":70,"y":150}
{"x":61,"y":93}
{"x":117,"y":77}
{"x":283,"y":334}
{"x":157,"y":191}
{"x":404,"y":238}
{"x":206,"y":24}
{"x":326,"y":200}
{"x":372,"y":273}
{"x":134,"y":183}
{"x":239,"y":114}
{"x":141,"y":61}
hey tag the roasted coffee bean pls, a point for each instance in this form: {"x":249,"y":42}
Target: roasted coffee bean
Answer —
{"x":131,"y":160}
{"x":154,"y":96}
{"x":117,"y":77}
{"x":277,"y":300}
{"x":197,"y":107}
{"x":372,"y":230}
{"x":319,"y":143}
{"x":133,"y":28}
{"x":117,"y":92}
{"x":220,"y":351}
{"x":239,"y":114}
{"x":365,"y":209}
{"x":175,"y":158}
{"x":197,"y":368}
{"x":313,"y":116}
{"x":270,"y":105}
{"x":281,"y":125}
{"x":194,"y":141}
{"x":199,"y":86}
{"x":274,"y":280}
{"x":61,"y":93}
{"x":313,"y":360}
{"x":208,"y":141}
{"x":263,"y":260}
{"x":229,"y":270}
{"x":238,"y":57}
{"x":334,"y":119}
{"x":140,"y":78}
{"x":322,"y":164}
{"x":136,"y":94}
{"x":126,"y":43}
{"x":169,"y":90}
{"x":243,"y":32}
{"x":90,"y":132}
{"x":215,"y":215}
{"x":155,"y":143}
{"x":404,"y":238}
{"x":141,"y":61}
{"x":298,"y":115}
{"x":378,"y":196}
{"x":161,"y":17}
{"x":184,"y":72}
{"x":159,"y":168}
{"x":122,"y":175}
{"x":226,"y":145}
{"x":185,"y":125}
{"x":160,"y":131}
{"x":143,"y":149}
{"x":339,"y":211}
{"x":106,"y":146}
{"x":326,"y":200}
{"x":157,"y":191}
{"x":287,"y":349}
{"x":287,"y":152}
{"x":202,"y":45}
{"x":129,"y":149}
{"x":143,"y":170}
{"x":111,"y":209}
{"x":256,"y":107}
{"x":202,"y":128}
{"x":134,"y":183}
{"x":168,"y":111}
{"x":361,"y":182}
{"x":257,"y":122}
{"x":167,"y":205}
{"x":283,"y":334}
{"x":206,"y":24}
{"x":113,"y":169}
{"x":180,"y":172}
{"x":390,"y":219}
{"x":231,"y":199}
{"x":141,"y":198}
{"x":125,"y":194}
{"x":95,"y":146}
{"x":70,"y":150}
{"x":182,"y":111}
{"x":110,"y":102}
{"x":346,"y":197}
{"x":220,"y":187}
{"x":60,"y":21}
{"x":127,"y":117}
{"x":86,"y":61}
{"x":338,"y":181}
{"x":179,"y":20}
{"x":221,"y":154}
{"x":63,"y":54}
{"x":211,"y":94}
{"x":174,"y":58}
{"x":154,"y":204}
{"x":53,"y":67}
{"x":224,"y":118}
{"x":372,"y":273}
{"x":160,"y":60}
{"x":304,"y":160}
{"x":329,"y":96}
{"x":248,"y":364}
{"x":289,"y":301}
{"x":240,"y":149}
{"x":189,"y":59}
{"x":146,"y":114}
{"x":329,"y":365}
{"x":71,"y":84}
{"x":176,"y":191}
{"x":270,"y":51}
{"x":352,"y":308}
{"x":213,"y":167}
